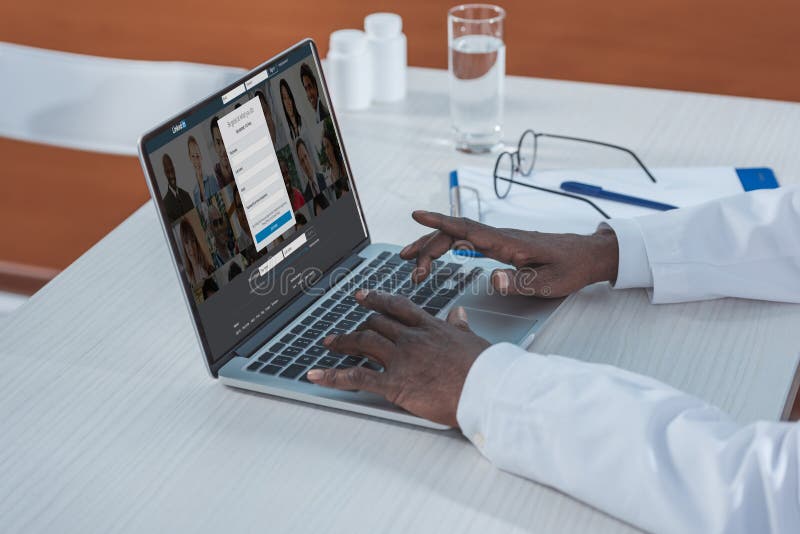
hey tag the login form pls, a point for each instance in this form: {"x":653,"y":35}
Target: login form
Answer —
{"x":257,"y":173}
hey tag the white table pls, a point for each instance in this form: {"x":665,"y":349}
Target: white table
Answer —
{"x":109,"y":422}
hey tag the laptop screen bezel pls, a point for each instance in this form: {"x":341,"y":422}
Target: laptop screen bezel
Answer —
{"x":213,"y":364}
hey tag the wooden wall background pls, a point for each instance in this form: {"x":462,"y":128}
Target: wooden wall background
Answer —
{"x":738,"y":47}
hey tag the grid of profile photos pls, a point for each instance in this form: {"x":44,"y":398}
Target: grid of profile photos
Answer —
{"x":199,"y":194}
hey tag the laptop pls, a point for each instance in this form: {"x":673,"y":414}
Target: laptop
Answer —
{"x":261,"y":213}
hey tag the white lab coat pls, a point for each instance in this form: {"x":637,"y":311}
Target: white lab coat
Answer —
{"x":627,"y":444}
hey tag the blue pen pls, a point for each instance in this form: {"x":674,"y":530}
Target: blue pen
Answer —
{"x":455,"y":211}
{"x":596,"y":191}
{"x":466,"y":253}
{"x":455,"y":195}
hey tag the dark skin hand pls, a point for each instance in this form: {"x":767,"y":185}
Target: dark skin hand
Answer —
{"x":546,"y":265}
{"x":425,"y":360}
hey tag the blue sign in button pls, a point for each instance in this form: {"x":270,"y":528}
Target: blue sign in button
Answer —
{"x":277,"y":223}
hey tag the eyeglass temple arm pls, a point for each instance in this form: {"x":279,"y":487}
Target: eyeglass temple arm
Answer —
{"x":561,"y":193}
{"x":609,"y":145}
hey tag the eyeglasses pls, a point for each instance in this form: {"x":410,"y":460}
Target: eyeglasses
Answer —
{"x":523,"y":159}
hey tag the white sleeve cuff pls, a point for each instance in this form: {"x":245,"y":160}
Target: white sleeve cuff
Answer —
{"x":480,"y":388}
{"x":634,"y":265}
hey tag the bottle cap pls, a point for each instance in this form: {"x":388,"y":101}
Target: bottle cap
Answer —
{"x":348,"y":41}
{"x":383,"y":25}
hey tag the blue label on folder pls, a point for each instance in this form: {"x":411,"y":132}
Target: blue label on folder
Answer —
{"x":757,"y":178}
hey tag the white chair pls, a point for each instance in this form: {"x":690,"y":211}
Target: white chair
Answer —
{"x":91,"y":103}
{"x":95,"y":103}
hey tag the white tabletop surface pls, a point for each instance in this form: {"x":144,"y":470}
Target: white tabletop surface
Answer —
{"x":109,"y":421}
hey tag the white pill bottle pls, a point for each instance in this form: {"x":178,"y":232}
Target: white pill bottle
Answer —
{"x":348,"y":69}
{"x":388,"y":51}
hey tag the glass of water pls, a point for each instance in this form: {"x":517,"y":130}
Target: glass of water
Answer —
{"x":476,"y":68}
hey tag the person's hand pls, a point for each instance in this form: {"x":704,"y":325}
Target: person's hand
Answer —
{"x":425,"y":360}
{"x":546,"y":265}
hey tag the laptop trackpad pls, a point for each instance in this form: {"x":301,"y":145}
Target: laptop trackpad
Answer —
{"x":497,"y":327}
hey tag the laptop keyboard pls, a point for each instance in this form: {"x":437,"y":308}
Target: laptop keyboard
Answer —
{"x":300,"y":349}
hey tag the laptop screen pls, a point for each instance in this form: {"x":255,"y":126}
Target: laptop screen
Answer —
{"x":256,"y":196}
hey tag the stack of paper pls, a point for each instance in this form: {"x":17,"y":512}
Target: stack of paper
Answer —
{"x":528,"y":209}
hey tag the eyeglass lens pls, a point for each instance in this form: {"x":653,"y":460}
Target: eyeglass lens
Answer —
{"x":503,"y":174}
{"x":526,"y":152}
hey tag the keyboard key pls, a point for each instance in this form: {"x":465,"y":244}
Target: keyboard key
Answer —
{"x":328,"y":361}
{"x":344,"y":366}
{"x":308,"y":320}
{"x":341,"y":308}
{"x":301,"y":342}
{"x":370,"y":283}
{"x":432,"y":311}
{"x":322,"y":325}
{"x":449,"y":268}
{"x":293,"y":371}
{"x":438,"y":302}
{"x":395,"y":260}
{"x":355,"y":316}
{"x":384,"y":255}
{"x":267,"y":356}
{"x":419,"y":299}
{"x":290,"y":351}
{"x":287,"y":338}
{"x":316,"y":312}
{"x":312,"y":333}
{"x":270,"y":369}
{"x":346,"y":324}
{"x":352,"y":360}
{"x":405,"y":290}
{"x":306,"y":360}
{"x":387,"y":286}
{"x":332,"y":317}
{"x":338,"y":295}
{"x":337,"y":277}
{"x":328,"y":303}
{"x":280,"y":360}
{"x":440,"y":278}
{"x":349,"y":301}
{"x":298,"y":329}
{"x":336,"y":332}
{"x":254,"y":366}
{"x":429,"y":286}
{"x":448,"y":293}
{"x":316,"y":350}
{"x":276,"y":347}
{"x":424,"y":291}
